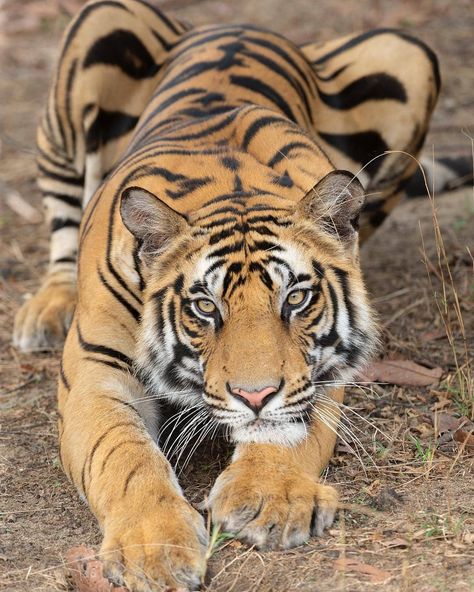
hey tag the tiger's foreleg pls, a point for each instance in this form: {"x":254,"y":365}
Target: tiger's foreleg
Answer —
{"x":152,"y":535}
{"x":270,"y":495}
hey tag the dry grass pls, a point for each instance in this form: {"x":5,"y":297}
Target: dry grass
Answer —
{"x":460,"y":383}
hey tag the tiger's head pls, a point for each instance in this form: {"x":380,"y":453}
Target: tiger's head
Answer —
{"x":254,"y":309}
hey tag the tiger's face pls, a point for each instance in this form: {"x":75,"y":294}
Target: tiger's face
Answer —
{"x":253,"y":318}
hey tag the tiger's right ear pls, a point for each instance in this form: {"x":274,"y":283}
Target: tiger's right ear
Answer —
{"x":152,"y":222}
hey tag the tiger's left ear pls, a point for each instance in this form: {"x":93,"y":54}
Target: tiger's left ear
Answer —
{"x":151,"y":221}
{"x":335,"y":204}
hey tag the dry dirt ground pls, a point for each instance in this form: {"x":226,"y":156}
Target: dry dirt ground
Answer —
{"x":408,"y":522}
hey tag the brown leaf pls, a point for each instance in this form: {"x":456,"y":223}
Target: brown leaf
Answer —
{"x":401,"y":372}
{"x":393,"y":543}
{"x":460,"y":429}
{"x":87,"y":571}
{"x":376,"y":574}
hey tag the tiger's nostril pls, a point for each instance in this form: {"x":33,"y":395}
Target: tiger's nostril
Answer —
{"x":256,"y":400}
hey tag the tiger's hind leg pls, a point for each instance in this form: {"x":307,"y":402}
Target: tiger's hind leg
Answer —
{"x":376,"y":93}
{"x":111,"y":57}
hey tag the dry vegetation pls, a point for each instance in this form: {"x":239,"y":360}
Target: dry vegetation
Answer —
{"x":407,"y":521}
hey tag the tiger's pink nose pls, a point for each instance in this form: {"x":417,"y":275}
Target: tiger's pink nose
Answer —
{"x":254,"y":399}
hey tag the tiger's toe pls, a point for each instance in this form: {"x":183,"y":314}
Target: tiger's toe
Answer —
{"x":157,"y":550}
{"x":281,"y":510}
{"x":42,"y":322}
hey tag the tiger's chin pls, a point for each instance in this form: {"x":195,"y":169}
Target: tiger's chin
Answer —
{"x":269,"y":432}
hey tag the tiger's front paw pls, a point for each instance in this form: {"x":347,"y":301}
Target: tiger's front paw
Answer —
{"x":42,"y":322}
{"x":271,"y":506}
{"x":163,"y":545}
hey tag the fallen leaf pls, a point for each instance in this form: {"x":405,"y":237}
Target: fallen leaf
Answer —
{"x":375,"y":574}
{"x":87,"y":572}
{"x":394,"y":543}
{"x":400,"y":372}
{"x":460,"y":429}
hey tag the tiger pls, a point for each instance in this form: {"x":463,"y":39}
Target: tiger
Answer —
{"x":208,"y":189}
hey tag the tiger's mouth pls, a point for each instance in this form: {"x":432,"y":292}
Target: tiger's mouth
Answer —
{"x":270,"y":431}
{"x":279,"y":427}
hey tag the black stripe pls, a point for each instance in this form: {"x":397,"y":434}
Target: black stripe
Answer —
{"x":256,"y":126}
{"x":283,"y":54}
{"x":77,"y":181}
{"x":218,"y":222}
{"x":102,"y":349}
{"x":226,"y":250}
{"x":57,"y":160}
{"x":272,"y":219}
{"x":172,"y":100}
{"x":285,"y":150}
{"x":163,"y":17}
{"x":259,"y":87}
{"x":124,"y":50}
{"x":275,"y":67}
{"x":353,"y":43}
{"x":373,"y":87}
{"x":75,"y":202}
{"x":71,"y":75}
{"x":332,"y":76}
{"x":263,"y":273}
{"x":234,"y":197}
{"x":65,"y":260}
{"x":108,"y":125}
{"x":101,"y":438}
{"x":343,"y":278}
{"x":60,"y":223}
{"x":124,"y":403}
{"x":264,"y":245}
{"x":166,"y":46}
{"x":360,"y":147}
{"x":62,"y":375}
{"x":131,"y":309}
{"x":374,"y":33}
{"x":206,"y":132}
{"x":204,"y":38}
{"x":331,"y":338}
{"x":223,"y":234}
{"x":81,"y":17}
{"x":116,"y":447}
{"x":233,"y":270}
{"x":187,"y":186}
{"x":138,"y":265}
{"x":129,"y":478}
{"x":430,"y":54}
{"x":109,"y":363}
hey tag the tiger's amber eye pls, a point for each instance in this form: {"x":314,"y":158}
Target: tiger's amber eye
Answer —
{"x":296,"y":297}
{"x":205,"y":306}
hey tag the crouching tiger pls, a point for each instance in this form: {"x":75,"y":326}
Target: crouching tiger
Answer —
{"x":215,"y":266}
